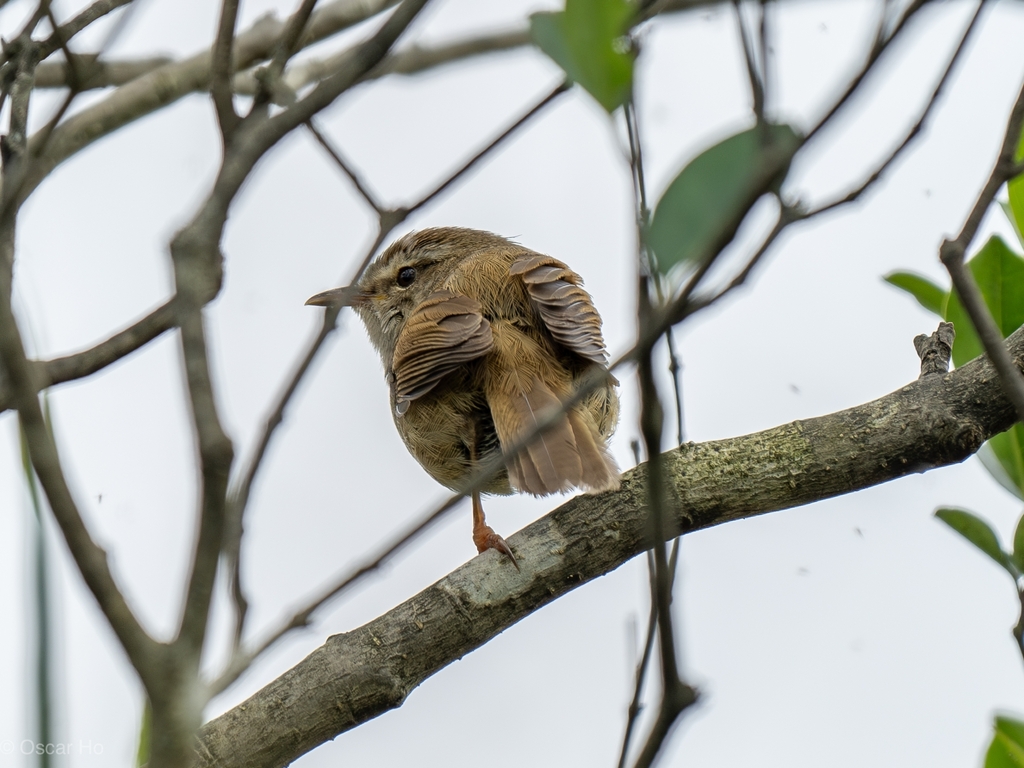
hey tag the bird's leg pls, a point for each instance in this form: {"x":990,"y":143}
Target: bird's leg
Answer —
{"x":484,"y":536}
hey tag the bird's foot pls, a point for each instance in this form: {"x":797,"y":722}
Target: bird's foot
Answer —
{"x":485,"y":538}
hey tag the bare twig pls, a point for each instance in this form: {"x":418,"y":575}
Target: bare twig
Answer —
{"x":99,"y":74}
{"x":239,"y":496}
{"x":80,"y":364}
{"x":787,"y":215}
{"x":676,"y":695}
{"x":88,"y":556}
{"x":222,"y":68}
{"x":74,"y":83}
{"x":687,"y":305}
{"x":635,"y":705}
{"x":754,"y":73}
{"x":216,"y":455}
{"x":676,"y":369}
{"x":952,"y":254}
{"x":411,"y":60}
{"x":537,"y":108}
{"x":166,"y":85}
{"x":357,"y":182}
{"x":884,"y":37}
{"x":289,"y":41}
{"x":915,"y":130}
{"x":63,"y":33}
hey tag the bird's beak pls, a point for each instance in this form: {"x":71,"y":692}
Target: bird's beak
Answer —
{"x":348,"y":296}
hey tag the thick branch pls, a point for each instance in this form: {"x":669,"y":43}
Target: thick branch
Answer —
{"x":353,"y":677}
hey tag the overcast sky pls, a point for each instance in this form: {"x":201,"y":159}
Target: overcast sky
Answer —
{"x":853,"y":632}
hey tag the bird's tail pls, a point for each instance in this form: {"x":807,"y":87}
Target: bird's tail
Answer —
{"x":568,"y":454}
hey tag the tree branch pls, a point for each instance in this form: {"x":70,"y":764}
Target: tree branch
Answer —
{"x":80,"y":364}
{"x":165,"y":85}
{"x":223,"y":68}
{"x":952,"y":253}
{"x":932,"y":422}
{"x":411,"y":60}
{"x":68,"y":30}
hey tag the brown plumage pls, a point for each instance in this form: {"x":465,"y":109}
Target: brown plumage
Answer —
{"x":481,"y":341}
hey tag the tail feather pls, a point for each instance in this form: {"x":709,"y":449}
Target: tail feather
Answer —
{"x":600,"y":473}
{"x":567,"y":455}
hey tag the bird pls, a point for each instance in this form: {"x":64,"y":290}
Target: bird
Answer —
{"x":482,"y":340}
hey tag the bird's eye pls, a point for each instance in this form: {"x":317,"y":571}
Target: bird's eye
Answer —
{"x":405,"y":276}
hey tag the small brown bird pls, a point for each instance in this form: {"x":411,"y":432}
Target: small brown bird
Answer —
{"x":482,"y":340}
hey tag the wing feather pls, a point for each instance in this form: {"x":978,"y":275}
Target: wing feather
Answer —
{"x":441,"y":334}
{"x":565,"y":307}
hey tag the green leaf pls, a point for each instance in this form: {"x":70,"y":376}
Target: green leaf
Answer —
{"x":1016,"y":192}
{"x":999,"y":273}
{"x":994,"y":464}
{"x":547,"y":30}
{"x":1015,"y":188}
{"x":710,"y":196}
{"x":145,"y":733}
{"x":1018,"y":545}
{"x":1007,"y":747}
{"x":976,"y":531}
{"x":1008,"y":212}
{"x":928,"y":294}
{"x":585,"y":40}
{"x":1008,"y":448}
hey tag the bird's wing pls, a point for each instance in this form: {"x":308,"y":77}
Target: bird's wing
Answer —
{"x":565,"y":307}
{"x":442,"y":333}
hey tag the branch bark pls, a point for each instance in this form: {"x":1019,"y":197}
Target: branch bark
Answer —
{"x":932,"y":422}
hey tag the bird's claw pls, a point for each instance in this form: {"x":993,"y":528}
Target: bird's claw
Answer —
{"x":485,"y":538}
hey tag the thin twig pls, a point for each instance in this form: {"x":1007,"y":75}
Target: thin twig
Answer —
{"x":915,"y":130}
{"x":884,"y":37}
{"x":75,"y":366}
{"x":90,"y":559}
{"x":763,"y":37}
{"x":411,"y":60}
{"x":215,"y":458}
{"x":287,"y":46}
{"x":754,"y":75}
{"x":239,"y":495}
{"x":222,"y":69}
{"x":62,"y":34}
{"x":676,"y":695}
{"x":789,"y":214}
{"x":635,"y":705}
{"x":357,"y":182}
{"x":538,"y":107}
{"x":676,"y":369}
{"x":953,"y":252}
{"x":174,"y":81}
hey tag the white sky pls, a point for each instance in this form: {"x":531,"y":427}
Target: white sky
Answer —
{"x":853,"y":632}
